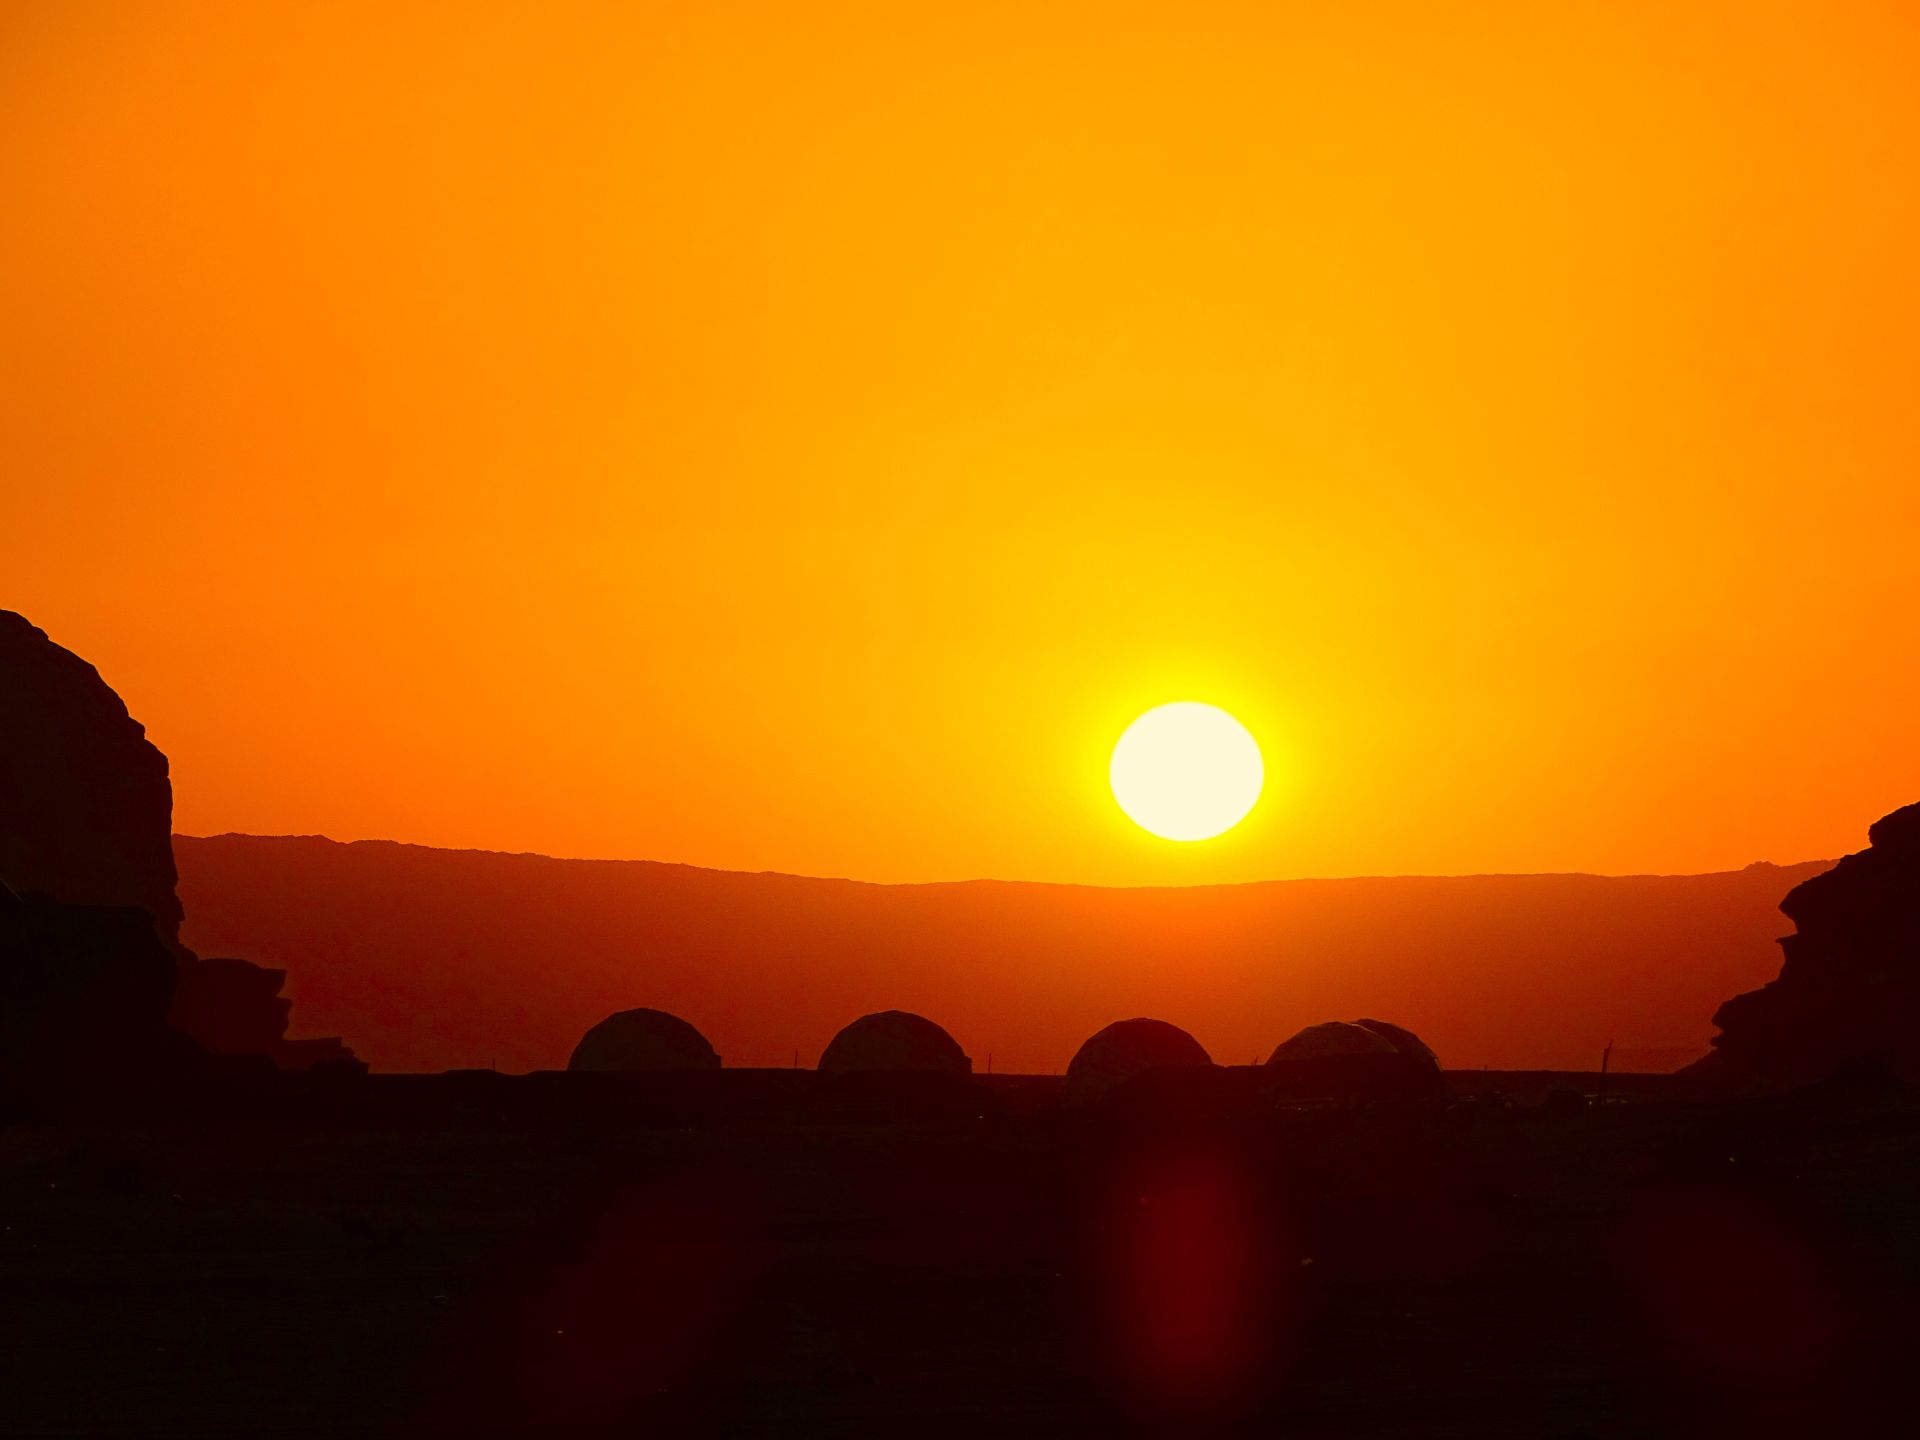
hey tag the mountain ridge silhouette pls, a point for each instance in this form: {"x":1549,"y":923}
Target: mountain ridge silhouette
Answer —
{"x":438,"y":959}
{"x":382,"y":841}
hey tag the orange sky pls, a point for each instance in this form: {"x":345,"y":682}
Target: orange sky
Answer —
{"x":802,"y":436}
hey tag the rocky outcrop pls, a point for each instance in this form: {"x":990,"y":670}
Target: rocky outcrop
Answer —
{"x":234,"y":1007}
{"x":636,"y":1040}
{"x":1125,"y":1049}
{"x":86,"y":808}
{"x":84,"y":991}
{"x":895,"y":1040}
{"x":1354,"y":1060}
{"x":86,"y":822}
{"x":1848,"y":993}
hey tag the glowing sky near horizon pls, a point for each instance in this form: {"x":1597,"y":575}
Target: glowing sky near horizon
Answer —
{"x":804,"y":437}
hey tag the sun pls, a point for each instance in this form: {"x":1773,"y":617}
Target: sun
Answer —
{"x":1186,"y":771}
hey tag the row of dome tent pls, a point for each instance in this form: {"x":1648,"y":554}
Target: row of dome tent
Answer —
{"x":1357,"y":1059}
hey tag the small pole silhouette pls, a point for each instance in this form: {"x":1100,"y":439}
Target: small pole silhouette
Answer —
{"x":1606,"y":1056}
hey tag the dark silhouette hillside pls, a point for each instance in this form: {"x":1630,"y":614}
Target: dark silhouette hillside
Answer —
{"x":435,"y":959}
{"x":84,"y":991}
{"x":85,"y":803}
{"x":86,"y":815}
{"x":1848,"y":992}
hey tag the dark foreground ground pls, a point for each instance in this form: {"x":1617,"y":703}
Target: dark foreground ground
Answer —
{"x":765,"y":1253}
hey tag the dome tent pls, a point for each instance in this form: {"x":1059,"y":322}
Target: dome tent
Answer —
{"x":1334,"y":1038}
{"x":1358,"y":1060}
{"x":1128,"y":1048}
{"x":1405,"y":1041}
{"x":634,"y":1040}
{"x":894,"y":1040}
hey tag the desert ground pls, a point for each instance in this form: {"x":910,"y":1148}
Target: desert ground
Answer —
{"x":765,"y":1252}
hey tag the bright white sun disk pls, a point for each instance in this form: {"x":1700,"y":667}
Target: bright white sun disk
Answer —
{"x":1187,"y":771}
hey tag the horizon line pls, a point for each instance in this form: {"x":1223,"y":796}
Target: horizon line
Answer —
{"x":995,"y":880}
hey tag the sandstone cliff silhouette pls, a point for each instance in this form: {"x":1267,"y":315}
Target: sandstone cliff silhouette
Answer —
{"x":1848,"y":993}
{"x":86,"y":807}
{"x":86,"y":814}
{"x":234,"y":1007}
{"x":84,"y":991}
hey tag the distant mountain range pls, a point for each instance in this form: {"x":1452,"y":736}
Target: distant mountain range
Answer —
{"x":427,"y":959}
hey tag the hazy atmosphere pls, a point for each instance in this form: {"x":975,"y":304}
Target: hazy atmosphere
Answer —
{"x":801,"y":438}
{"x":959,"y":719}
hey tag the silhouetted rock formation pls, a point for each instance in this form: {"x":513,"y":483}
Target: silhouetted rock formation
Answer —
{"x":84,"y":991}
{"x":1848,"y":993}
{"x":1125,"y":1049}
{"x":86,"y":809}
{"x":895,"y":1040}
{"x":231,"y":1006}
{"x":1361,"y":1060}
{"x":643,"y":1040}
{"x":234,"y":1007}
{"x":86,"y":820}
